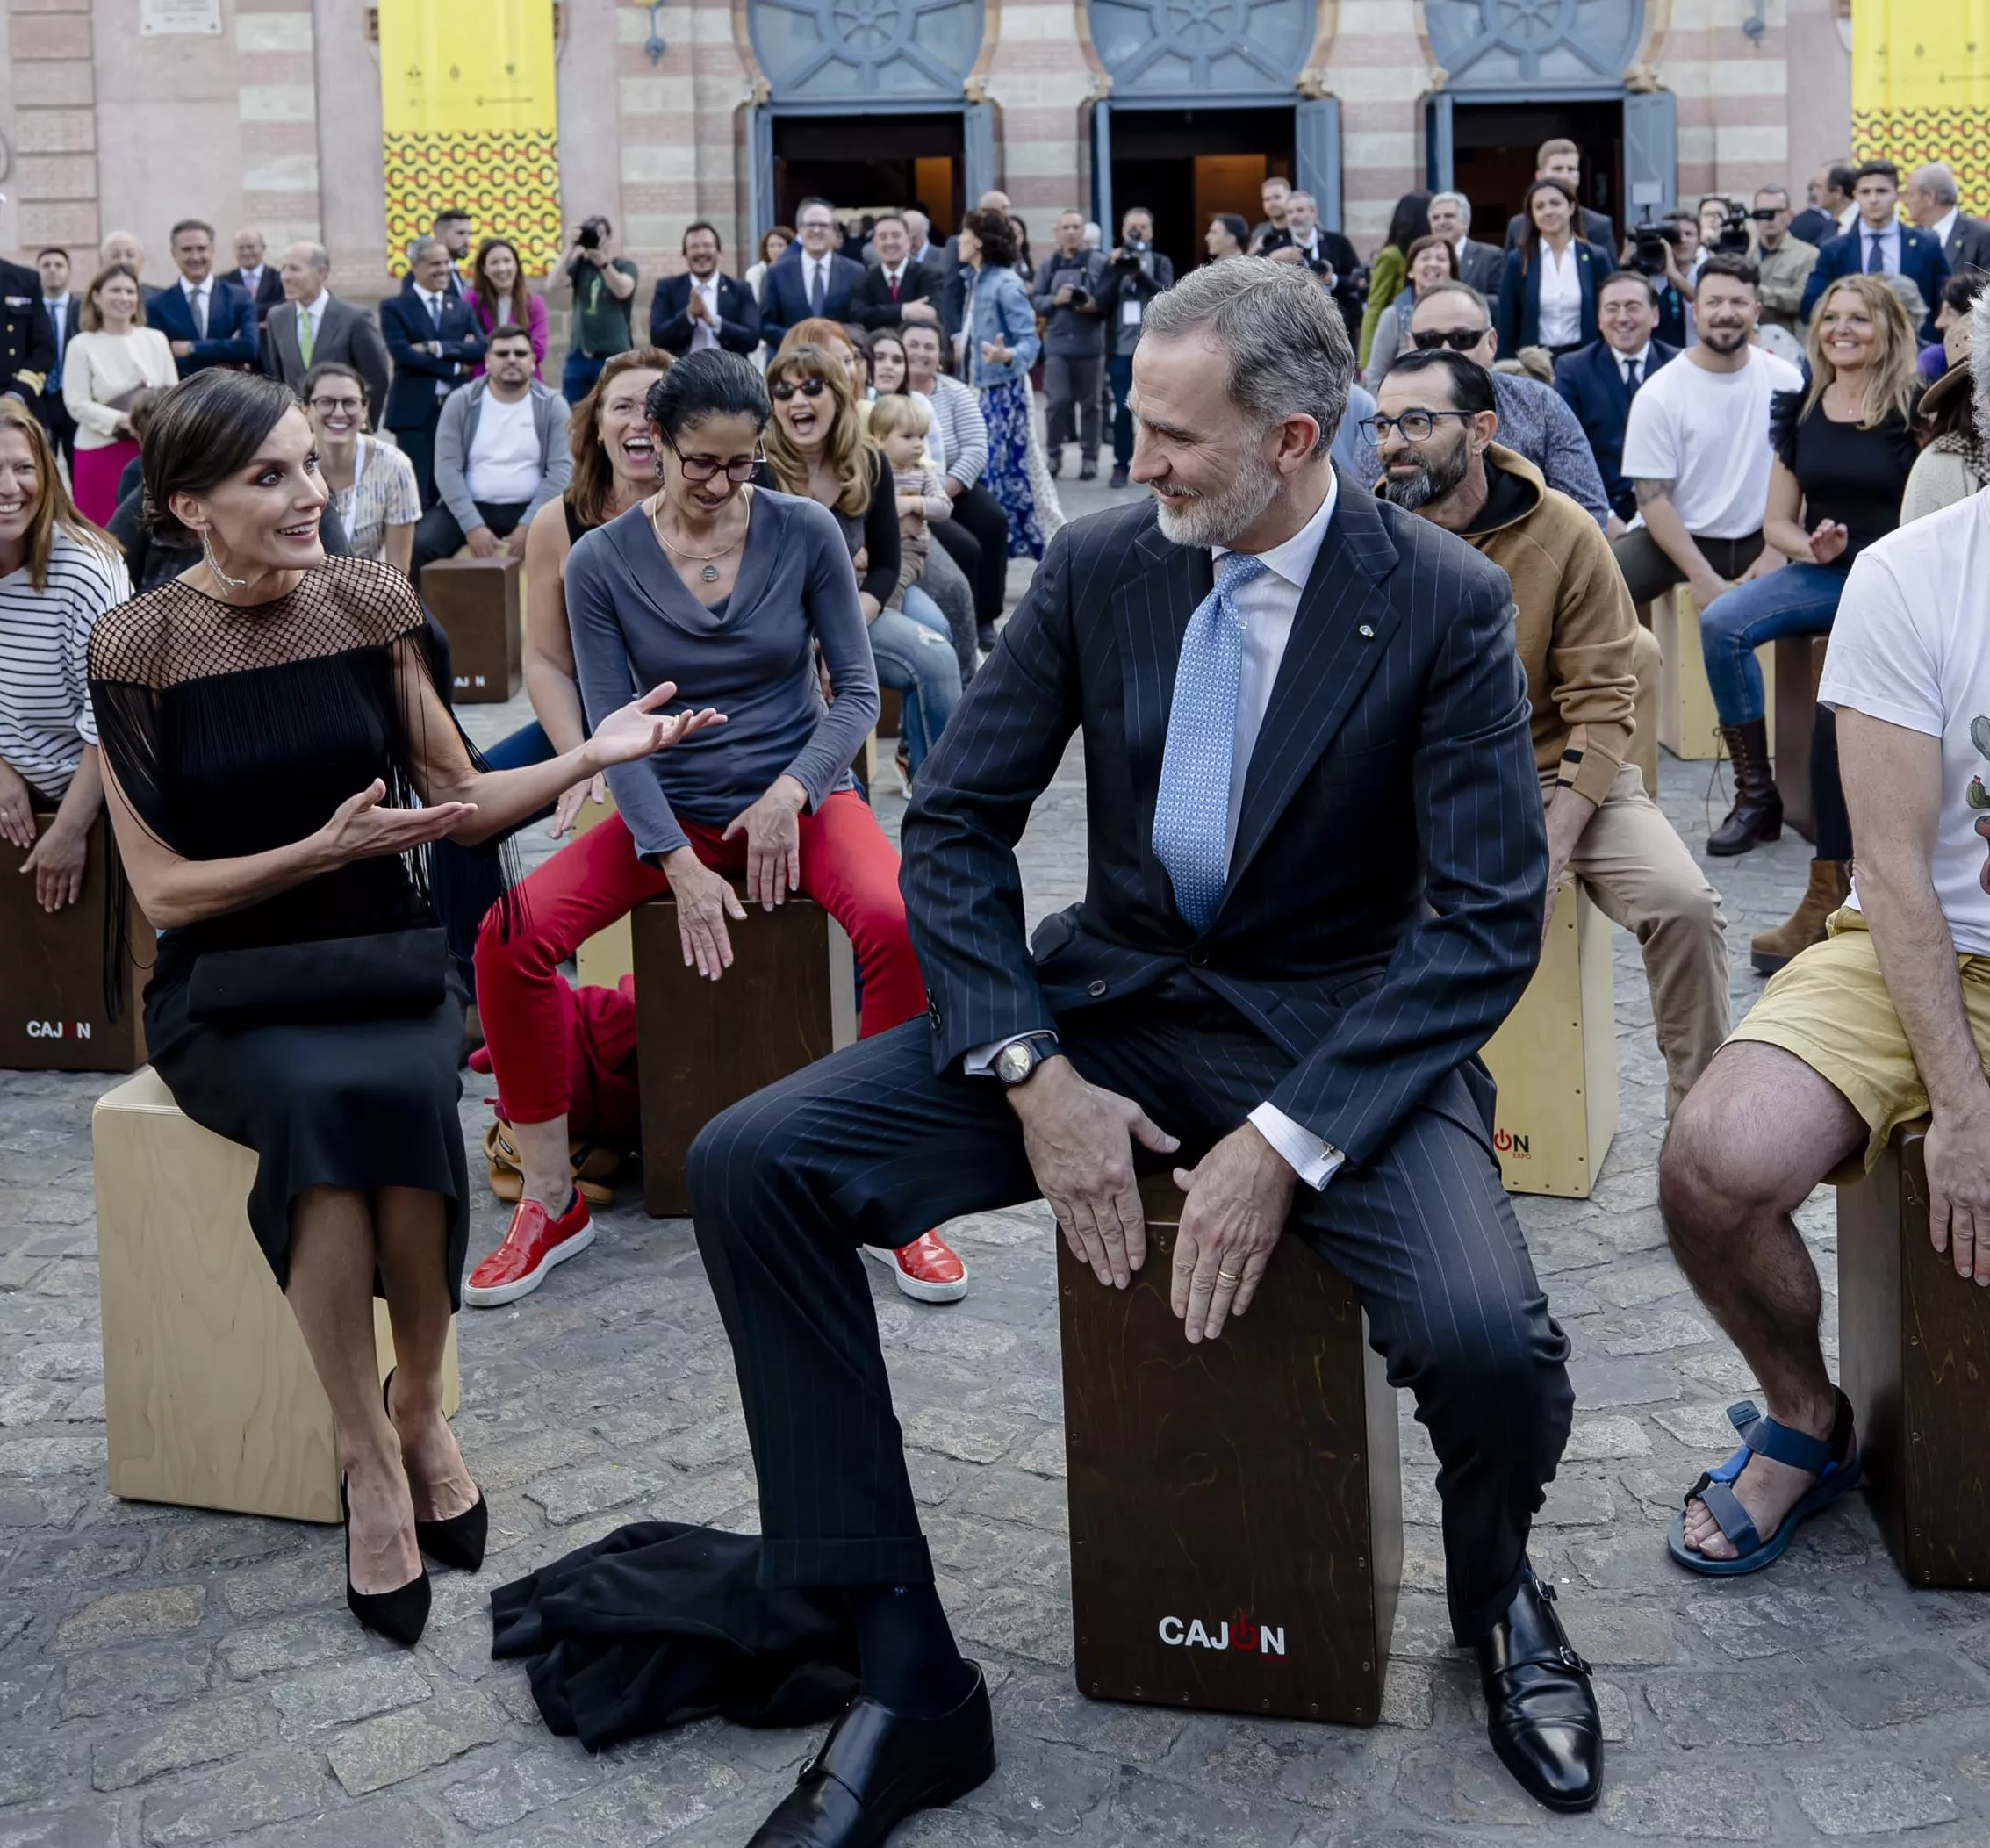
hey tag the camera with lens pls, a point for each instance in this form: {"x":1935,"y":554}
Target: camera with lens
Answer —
{"x":1654,"y":247}
{"x":591,"y":233}
{"x":1133,"y":253}
{"x":1734,"y":238}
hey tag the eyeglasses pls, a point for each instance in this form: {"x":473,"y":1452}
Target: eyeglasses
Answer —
{"x":703,"y":468}
{"x":1460,"y":340}
{"x":789,"y":387}
{"x":332,"y":407}
{"x":1416,"y":425}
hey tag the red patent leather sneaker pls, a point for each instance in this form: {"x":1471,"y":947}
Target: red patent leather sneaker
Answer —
{"x":534,"y":1241}
{"x":926,"y":1269}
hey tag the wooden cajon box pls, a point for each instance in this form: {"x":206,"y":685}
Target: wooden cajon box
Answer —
{"x":891,"y":709}
{"x":1554,"y":1059}
{"x":789,"y":999}
{"x":1236,"y":1507}
{"x":607,"y":956}
{"x":209,"y":1399}
{"x":54,"y":1014}
{"x":1644,"y":739}
{"x":1799,"y":667}
{"x":480,"y":604}
{"x":1688,"y":726}
{"x":1914,"y":1351}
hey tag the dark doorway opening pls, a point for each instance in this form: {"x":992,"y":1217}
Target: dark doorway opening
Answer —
{"x":872,"y":163}
{"x":1493,"y":147}
{"x":1186,"y":165}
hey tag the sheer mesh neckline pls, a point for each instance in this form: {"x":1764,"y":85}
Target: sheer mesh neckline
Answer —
{"x":175,"y":634}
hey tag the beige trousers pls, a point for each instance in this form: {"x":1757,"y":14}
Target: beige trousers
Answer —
{"x":1641,"y":876}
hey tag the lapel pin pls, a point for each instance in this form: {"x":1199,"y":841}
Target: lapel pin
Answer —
{"x":1368,"y":632}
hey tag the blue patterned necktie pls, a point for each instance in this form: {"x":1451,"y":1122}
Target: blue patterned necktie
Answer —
{"x":1192,"y":808}
{"x":1875,"y":263}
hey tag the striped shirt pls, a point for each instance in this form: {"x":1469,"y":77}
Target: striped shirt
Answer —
{"x":45,"y":715}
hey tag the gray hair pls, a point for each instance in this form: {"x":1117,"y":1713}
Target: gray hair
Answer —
{"x":423,"y":245}
{"x":1286,"y":342}
{"x":1458,"y":199}
{"x":1939,"y":178}
{"x":1979,"y":355}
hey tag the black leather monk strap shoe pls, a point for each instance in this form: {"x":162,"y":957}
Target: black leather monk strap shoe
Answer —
{"x":1541,"y":1706}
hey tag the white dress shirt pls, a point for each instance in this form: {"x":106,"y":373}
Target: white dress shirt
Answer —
{"x":313,"y":312}
{"x":1945,"y":227}
{"x":1889,"y":246}
{"x":1561,"y":296}
{"x":252,"y":281}
{"x":705,"y":333}
{"x":434,"y":304}
{"x":1266,"y":606}
{"x":1640,"y":359}
{"x":200,"y":305}
{"x":811,"y":268}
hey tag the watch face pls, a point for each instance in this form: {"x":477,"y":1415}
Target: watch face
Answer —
{"x":1013,"y":1063}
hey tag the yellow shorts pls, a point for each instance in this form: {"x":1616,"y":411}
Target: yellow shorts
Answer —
{"x":1830,"y":1008}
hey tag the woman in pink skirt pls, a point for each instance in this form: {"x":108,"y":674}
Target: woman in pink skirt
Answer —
{"x":112,"y":357}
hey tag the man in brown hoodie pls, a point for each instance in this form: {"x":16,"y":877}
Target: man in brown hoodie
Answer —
{"x":1574,"y":628}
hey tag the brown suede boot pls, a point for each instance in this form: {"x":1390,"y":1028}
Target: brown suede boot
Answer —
{"x":1757,"y":813}
{"x":1830,"y":885}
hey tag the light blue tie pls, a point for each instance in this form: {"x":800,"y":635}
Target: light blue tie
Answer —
{"x":1192,"y":808}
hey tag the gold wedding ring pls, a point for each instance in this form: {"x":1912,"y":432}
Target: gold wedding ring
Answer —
{"x":1228,"y":1276}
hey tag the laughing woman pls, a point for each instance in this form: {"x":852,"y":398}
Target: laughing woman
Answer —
{"x":268,"y":725}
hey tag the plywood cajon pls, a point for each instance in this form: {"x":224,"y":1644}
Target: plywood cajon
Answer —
{"x":789,"y":999}
{"x":1799,"y":667}
{"x":1554,"y":1059}
{"x":55,"y":1014}
{"x":480,"y":603}
{"x":1688,"y":725}
{"x":1236,"y":1507}
{"x":210,"y":1398}
{"x":1649,"y":666}
{"x":1914,"y":1343}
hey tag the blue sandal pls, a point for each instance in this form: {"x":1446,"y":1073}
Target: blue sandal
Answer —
{"x":1835,"y":1462}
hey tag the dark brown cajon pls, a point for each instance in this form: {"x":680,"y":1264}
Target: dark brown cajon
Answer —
{"x":1914,"y":1341}
{"x":54,"y":1015}
{"x":478,"y":602}
{"x":789,"y":999}
{"x":890,"y":707}
{"x":1249,"y":1481}
{"x":1800,"y":666}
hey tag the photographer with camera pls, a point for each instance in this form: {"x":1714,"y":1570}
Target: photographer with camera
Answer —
{"x":604,"y":294}
{"x":1653,"y":248}
{"x":1784,"y":260}
{"x":1067,"y":285}
{"x":1135,"y":274}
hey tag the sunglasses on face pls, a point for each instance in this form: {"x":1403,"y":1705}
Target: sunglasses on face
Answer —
{"x":808,"y":387}
{"x":703,"y":468}
{"x":1460,"y":340}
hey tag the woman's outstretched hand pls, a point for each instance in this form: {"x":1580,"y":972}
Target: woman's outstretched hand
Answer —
{"x":637,"y":731}
{"x":362,"y":829}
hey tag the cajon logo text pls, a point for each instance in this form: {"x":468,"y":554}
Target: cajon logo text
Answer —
{"x":1511,"y":1142}
{"x":58,"y":1030}
{"x":1240,"y":1634}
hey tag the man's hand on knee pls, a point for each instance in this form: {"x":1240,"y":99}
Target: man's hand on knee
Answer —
{"x":1239,"y":1196}
{"x":1078,"y":1139}
{"x":1958,"y":1190}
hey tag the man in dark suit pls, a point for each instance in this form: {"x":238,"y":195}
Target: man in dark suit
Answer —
{"x":1879,"y":244}
{"x":1327,"y":253}
{"x":63,"y":312}
{"x":894,"y":289}
{"x":1829,"y":204}
{"x":817,"y":282}
{"x":937,"y":260}
{"x":434,"y":340}
{"x":1598,"y":381}
{"x":27,"y":342}
{"x":1562,"y":160}
{"x":1265,"y":665}
{"x":255,"y":277}
{"x":311,"y":325}
{"x":1933,"y":202}
{"x":1479,"y":264}
{"x":207,"y":321}
{"x":704,"y":307}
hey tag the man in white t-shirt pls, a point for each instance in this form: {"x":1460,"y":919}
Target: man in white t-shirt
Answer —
{"x":1695,"y":447}
{"x":1887,"y":1020}
{"x":501,"y":454}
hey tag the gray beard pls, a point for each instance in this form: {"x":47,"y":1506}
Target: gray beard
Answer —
{"x":1220,"y":519}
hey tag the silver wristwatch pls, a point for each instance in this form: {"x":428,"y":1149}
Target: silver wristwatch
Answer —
{"x":1017,"y":1062}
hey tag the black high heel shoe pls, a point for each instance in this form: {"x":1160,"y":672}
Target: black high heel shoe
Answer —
{"x":460,"y":1540}
{"x":400,"y":1615}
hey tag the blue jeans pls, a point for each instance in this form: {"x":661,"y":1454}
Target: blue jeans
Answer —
{"x":914,"y":650}
{"x":469,"y":880}
{"x":577,"y":380}
{"x":1799,"y":600}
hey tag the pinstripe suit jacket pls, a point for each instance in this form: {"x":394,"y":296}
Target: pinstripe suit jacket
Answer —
{"x":1384,"y":900}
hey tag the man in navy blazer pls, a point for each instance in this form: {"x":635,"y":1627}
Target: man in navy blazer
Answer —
{"x":1879,"y":244}
{"x":433,"y":340}
{"x":1598,"y":381}
{"x":207,"y":321}
{"x":705,"y":307}
{"x":811,"y":278}
{"x":1264,"y":664}
{"x":254,"y":275}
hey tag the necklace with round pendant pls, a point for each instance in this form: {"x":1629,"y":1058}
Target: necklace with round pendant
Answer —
{"x":708,"y":561}
{"x":710,"y":574}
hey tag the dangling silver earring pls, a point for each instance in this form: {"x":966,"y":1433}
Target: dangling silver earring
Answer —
{"x":213,"y":564}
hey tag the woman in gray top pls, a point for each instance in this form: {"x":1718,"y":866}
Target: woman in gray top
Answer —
{"x":735,"y":587}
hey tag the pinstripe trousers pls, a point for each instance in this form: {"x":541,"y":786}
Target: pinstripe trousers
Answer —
{"x":870,"y":1147}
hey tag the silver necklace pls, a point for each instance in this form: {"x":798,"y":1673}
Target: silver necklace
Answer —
{"x":710,"y":573}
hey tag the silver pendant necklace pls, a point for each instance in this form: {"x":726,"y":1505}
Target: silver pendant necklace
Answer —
{"x":710,"y":573}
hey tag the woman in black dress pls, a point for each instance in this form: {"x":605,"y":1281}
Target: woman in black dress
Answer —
{"x":267,"y":721}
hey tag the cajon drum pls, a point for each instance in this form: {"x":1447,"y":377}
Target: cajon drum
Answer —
{"x":1799,"y":667}
{"x":607,"y":956}
{"x":1554,"y":1059}
{"x":1688,"y":726}
{"x":890,"y":710}
{"x":210,"y":1398}
{"x":789,"y":999}
{"x":1648,"y":662}
{"x":1236,"y":1507}
{"x":480,"y":604}
{"x":58,"y":1010}
{"x":1914,"y":1345}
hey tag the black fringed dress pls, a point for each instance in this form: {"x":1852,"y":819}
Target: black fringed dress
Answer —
{"x":233,"y":732}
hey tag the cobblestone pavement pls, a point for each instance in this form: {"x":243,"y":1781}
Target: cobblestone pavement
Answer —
{"x":169,"y":1677}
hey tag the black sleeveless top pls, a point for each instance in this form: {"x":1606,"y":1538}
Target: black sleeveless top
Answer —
{"x":575,"y":525}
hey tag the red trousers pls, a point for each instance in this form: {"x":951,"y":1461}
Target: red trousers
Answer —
{"x":598,"y":1025}
{"x":848,"y":868}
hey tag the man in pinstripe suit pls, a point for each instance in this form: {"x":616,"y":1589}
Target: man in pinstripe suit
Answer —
{"x":1317,"y":864}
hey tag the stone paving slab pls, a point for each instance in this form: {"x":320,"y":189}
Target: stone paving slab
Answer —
{"x":169,"y":1677}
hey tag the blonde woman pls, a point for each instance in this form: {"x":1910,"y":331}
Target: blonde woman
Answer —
{"x":113,"y":357}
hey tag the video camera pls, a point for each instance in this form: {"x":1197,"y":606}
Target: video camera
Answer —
{"x":1734,"y":238}
{"x":1654,"y":245}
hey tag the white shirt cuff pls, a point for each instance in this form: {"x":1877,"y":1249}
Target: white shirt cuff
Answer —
{"x":1313,"y":1158}
{"x":979,"y":1060}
